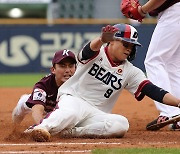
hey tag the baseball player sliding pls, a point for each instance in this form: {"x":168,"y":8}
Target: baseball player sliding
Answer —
{"x":43,"y":97}
{"x":162,"y":59}
{"x":86,"y":100}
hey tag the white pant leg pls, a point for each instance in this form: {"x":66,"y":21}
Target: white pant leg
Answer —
{"x":21,"y":109}
{"x":103,"y":124}
{"x":71,"y":110}
{"x":164,"y":50}
{"x":174,"y":76}
{"x":74,"y":111}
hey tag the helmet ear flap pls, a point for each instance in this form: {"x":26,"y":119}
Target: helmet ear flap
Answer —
{"x":133,"y":54}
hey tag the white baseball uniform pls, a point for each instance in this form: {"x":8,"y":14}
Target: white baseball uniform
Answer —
{"x":162,"y":61}
{"x":86,"y":100}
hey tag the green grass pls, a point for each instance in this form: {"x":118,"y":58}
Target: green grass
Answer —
{"x":19,"y":80}
{"x":138,"y":151}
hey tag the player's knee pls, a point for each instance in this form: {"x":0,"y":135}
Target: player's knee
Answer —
{"x":123,"y":128}
{"x":119,"y":128}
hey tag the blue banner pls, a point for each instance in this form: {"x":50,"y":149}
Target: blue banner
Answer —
{"x":30,"y":48}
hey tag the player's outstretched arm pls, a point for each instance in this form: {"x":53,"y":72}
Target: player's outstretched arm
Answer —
{"x":150,"y":5}
{"x":96,"y":44}
{"x":171,"y":100}
{"x":37,"y":113}
{"x":134,"y":10}
{"x":160,"y":95}
{"x":107,"y":35}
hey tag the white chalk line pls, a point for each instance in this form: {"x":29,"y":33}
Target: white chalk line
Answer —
{"x":69,"y":151}
{"x":80,"y":143}
{"x":62,"y":151}
{"x":59,"y":143}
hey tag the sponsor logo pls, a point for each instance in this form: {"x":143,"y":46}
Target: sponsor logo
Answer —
{"x":19,"y":51}
{"x":25,"y":50}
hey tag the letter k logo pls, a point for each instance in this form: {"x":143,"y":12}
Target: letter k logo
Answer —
{"x":65,"y":52}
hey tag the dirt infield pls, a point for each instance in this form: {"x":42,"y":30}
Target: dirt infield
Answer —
{"x":138,"y":114}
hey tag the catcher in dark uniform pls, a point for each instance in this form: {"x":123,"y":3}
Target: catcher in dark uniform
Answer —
{"x":43,"y":97}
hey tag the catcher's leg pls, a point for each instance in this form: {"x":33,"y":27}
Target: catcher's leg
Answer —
{"x":20,"y":110}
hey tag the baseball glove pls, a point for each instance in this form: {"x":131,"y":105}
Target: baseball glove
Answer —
{"x":107,"y":33}
{"x":129,"y":8}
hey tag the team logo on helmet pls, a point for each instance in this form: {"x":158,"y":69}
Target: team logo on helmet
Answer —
{"x":127,"y":33}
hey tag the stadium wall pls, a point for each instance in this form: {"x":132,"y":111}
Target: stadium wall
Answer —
{"x":30,"y":47}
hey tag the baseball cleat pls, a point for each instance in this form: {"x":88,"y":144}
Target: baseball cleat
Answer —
{"x":17,"y":118}
{"x":174,"y":127}
{"x":40,"y":135}
{"x":29,"y":130}
{"x":161,"y":122}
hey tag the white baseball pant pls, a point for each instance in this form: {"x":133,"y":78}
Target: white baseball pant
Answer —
{"x":162,"y":61}
{"x":88,"y":120}
{"x":21,"y":109}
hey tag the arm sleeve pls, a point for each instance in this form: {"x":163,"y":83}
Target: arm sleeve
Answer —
{"x":86,"y":53}
{"x":147,"y":88}
{"x":38,"y":95}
